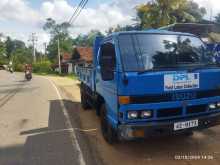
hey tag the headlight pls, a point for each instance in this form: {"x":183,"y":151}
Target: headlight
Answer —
{"x":132,"y":115}
{"x":218,"y":104}
{"x":146,"y":114}
{"x":212,"y":106}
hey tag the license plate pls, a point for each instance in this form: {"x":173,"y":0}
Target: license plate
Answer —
{"x":186,"y":124}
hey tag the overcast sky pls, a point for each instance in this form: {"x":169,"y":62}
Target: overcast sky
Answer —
{"x":19,"y":18}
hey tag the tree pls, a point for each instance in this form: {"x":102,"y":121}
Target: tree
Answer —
{"x":88,"y":39}
{"x":12,"y":45}
{"x":123,"y":28}
{"x":190,"y":13}
{"x":3,"y":58}
{"x":20,"y":57}
{"x":61,"y":32}
{"x":55,"y":30}
{"x":66,"y":46}
{"x":14,"y":50}
{"x":217,"y":18}
{"x":159,"y":13}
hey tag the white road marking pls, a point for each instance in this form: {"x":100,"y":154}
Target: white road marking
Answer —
{"x":75,"y":143}
{"x":86,"y":130}
{"x":68,"y":129}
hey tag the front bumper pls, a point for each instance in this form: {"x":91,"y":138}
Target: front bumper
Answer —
{"x":161,"y":128}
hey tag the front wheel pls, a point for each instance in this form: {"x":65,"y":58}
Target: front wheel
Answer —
{"x":108,"y":132}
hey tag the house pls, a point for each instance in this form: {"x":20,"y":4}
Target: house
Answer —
{"x":82,"y":56}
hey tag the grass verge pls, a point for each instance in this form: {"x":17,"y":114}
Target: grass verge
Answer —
{"x":71,"y":76}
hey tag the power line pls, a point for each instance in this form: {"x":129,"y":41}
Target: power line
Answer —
{"x":78,"y":11}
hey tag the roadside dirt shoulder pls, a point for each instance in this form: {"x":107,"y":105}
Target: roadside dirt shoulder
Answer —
{"x":200,"y":149}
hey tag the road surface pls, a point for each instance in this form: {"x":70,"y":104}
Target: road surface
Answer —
{"x":38,"y":127}
{"x":34,"y":128}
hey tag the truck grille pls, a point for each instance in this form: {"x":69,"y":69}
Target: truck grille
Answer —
{"x":177,"y":96}
{"x":169,"y":112}
{"x":196,"y":109}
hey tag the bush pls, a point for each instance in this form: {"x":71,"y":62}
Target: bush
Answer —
{"x":19,"y":67}
{"x":42,"y":67}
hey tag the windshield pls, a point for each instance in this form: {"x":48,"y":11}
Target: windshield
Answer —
{"x":142,"y":52}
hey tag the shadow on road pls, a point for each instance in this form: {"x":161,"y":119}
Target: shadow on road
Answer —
{"x":19,"y":88}
{"x":51,"y":145}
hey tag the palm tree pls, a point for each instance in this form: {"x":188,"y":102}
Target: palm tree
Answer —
{"x":157,"y":13}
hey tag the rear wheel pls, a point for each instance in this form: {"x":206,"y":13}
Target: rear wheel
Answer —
{"x":84,"y":98}
{"x":108,"y":132}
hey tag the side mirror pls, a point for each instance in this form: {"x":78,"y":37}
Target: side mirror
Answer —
{"x":107,"y":74}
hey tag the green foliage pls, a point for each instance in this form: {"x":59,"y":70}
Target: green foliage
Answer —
{"x":20,"y":57}
{"x":16,"y":51}
{"x":42,"y":67}
{"x":192,"y":13}
{"x":3,"y":58}
{"x":87,"y":40}
{"x":159,"y":13}
{"x":19,"y":67}
{"x":57,"y":30}
{"x":61,"y":32}
{"x":123,"y":28}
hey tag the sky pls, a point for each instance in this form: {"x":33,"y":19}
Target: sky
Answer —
{"x":20,"y":18}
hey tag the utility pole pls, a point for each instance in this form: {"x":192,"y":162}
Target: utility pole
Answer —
{"x":33,"y":40}
{"x":58,"y":48}
{"x":45,"y":51}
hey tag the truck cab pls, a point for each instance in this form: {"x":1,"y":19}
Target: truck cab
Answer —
{"x":156,"y":82}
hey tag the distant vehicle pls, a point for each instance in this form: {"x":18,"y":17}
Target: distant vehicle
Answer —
{"x":28,"y":75}
{"x":28,"y":71}
{"x":149,"y":83}
{"x":10,"y":69}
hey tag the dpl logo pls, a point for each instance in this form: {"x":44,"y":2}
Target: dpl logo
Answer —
{"x":180,"y":77}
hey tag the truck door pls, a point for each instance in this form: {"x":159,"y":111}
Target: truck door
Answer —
{"x":107,"y":79}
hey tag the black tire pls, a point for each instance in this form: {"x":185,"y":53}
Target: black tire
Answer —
{"x":84,"y":98}
{"x":97,"y":110}
{"x":109,"y":134}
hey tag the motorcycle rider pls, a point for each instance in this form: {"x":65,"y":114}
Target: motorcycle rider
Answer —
{"x":28,"y":67}
{"x":28,"y":71}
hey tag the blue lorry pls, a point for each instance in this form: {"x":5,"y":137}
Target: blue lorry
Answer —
{"x":147,"y":83}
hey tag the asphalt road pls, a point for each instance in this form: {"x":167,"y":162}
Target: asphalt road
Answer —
{"x":33,"y":126}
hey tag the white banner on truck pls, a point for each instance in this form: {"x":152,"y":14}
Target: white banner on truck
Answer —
{"x":181,"y":81}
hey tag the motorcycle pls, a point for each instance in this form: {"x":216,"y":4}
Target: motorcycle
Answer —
{"x":10,"y":70}
{"x":28,"y":75}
